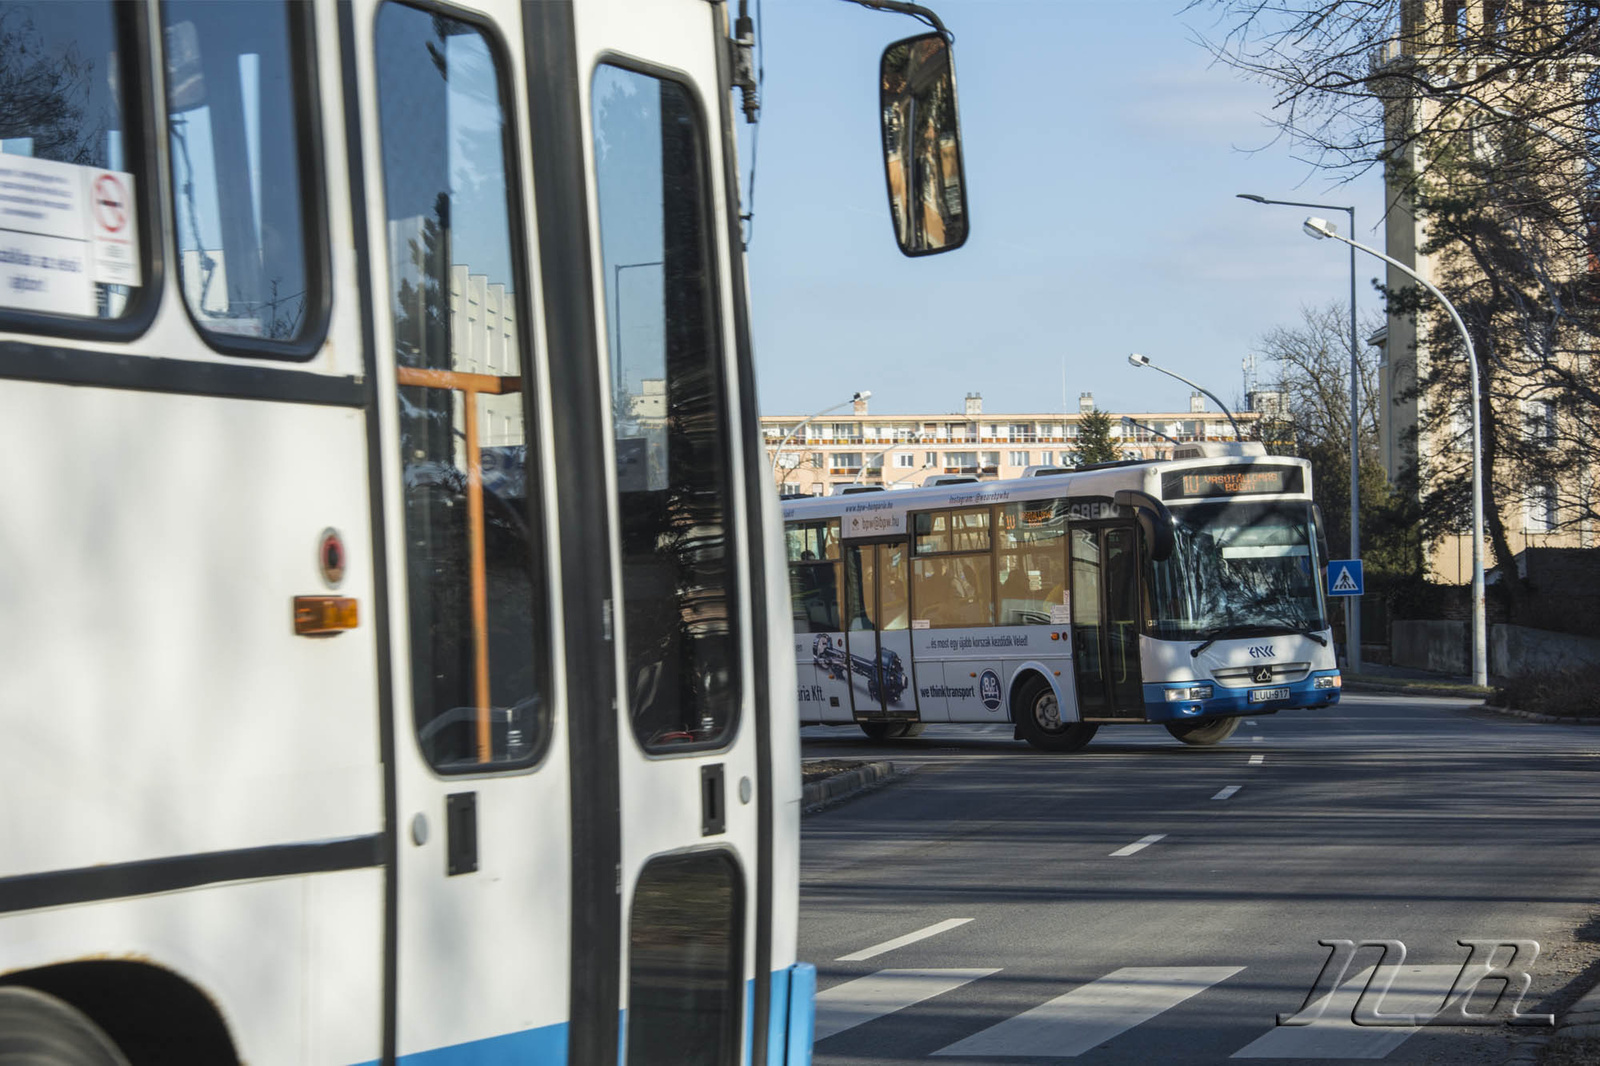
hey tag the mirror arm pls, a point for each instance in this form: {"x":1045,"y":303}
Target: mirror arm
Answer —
{"x":1154,"y":517}
{"x":914,"y":10}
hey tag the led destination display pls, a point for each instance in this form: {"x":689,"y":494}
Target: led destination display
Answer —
{"x":1209,"y":482}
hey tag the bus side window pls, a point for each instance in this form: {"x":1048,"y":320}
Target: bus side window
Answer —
{"x":669,"y":411}
{"x":238,"y":105}
{"x":476,"y":587}
{"x":75,"y":165}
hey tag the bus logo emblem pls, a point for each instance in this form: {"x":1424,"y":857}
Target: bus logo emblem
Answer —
{"x":989,"y":689}
{"x":1261,"y":651}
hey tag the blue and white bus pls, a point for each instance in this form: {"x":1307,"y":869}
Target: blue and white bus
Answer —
{"x":1185,"y":592}
{"x":397,"y":669}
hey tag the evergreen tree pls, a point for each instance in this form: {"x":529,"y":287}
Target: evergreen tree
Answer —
{"x":1094,"y":439}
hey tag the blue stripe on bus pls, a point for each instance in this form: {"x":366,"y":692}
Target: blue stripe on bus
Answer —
{"x":790,"y":1026}
{"x":547,"y":1044}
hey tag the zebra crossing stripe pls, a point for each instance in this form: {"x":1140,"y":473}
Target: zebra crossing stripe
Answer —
{"x":1091,"y":1014}
{"x":884,"y":992}
{"x":1332,"y":1035}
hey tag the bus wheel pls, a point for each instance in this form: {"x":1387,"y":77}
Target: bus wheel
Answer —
{"x":35,"y":1027}
{"x":1039,"y":720}
{"x":1204,"y":734}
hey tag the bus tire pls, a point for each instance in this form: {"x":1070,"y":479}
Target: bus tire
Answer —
{"x":35,"y":1027}
{"x":1039,"y":720}
{"x":1204,"y":734}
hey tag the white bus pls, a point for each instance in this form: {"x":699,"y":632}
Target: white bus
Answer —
{"x":396,"y":669}
{"x":1186,"y":592}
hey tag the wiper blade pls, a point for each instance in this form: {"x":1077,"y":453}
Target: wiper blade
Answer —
{"x":1227,"y":632}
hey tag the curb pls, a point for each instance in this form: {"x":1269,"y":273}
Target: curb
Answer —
{"x":1550,"y":719}
{"x":1412,"y":690}
{"x":842,"y":786}
{"x":1582,"y":1022}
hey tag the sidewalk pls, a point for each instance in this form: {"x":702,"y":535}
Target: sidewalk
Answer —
{"x":1379,"y":677}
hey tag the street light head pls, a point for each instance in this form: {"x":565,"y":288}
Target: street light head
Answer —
{"x":864,"y":394}
{"x":1135,"y":359}
{"x":1251,"y":196}
{"x":1318,"y":227}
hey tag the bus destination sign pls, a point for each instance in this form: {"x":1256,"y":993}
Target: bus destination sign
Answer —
{"x":1210,"y":482}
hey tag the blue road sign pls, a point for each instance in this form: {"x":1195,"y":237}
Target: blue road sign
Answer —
{"x":1345,"y":578}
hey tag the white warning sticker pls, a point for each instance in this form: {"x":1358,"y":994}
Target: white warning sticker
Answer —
{"x":62,"y":229}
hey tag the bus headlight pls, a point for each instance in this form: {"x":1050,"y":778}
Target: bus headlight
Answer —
{"x":1328,"y":681}
{"x":1192,"y":692}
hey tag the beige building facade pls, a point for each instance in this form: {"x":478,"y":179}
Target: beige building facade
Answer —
{"x":827,"y":453}
{"x":1425,"y":433}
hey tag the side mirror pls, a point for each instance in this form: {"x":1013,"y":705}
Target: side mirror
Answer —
{"x":922,"y":145}
{"x":1155,"y":521}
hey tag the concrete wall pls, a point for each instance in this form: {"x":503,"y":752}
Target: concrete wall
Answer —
{"x":1514,"y":651}
{"x":1444,"y":647}
{"x":1517,"y":651}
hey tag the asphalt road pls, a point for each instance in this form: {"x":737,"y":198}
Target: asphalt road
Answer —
{"x":1142,"y":901}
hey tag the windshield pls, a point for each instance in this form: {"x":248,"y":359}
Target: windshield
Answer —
{"x":1237,"y":566}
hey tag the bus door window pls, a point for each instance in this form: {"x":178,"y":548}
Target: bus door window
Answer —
{"x":895,"y":670}
{"x":1120,"y":578}
{"x":475,"y":583}
{"x":894,"y":597}
{"x":861,"y":639}
{"x":1086,"y":620}
{"x":669,"y":411}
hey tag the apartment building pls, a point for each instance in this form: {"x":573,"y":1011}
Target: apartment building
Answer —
{"x":817,"y":455}
{"x":1442,"y":45}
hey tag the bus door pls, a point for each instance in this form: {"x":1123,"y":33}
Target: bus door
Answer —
{"x":691,"y":760}
{"x":1105,"y":620}
{"x":878,"y":634}
{"x":483,"y":796}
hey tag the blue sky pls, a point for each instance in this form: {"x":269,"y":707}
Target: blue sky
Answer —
{"x":1103,"y":149}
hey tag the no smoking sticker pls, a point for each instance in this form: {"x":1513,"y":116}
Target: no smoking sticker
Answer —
{"x":111,"y":227}
{"x":110,"y":201}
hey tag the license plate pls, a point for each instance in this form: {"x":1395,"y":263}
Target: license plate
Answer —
{"x":1262,"y":695}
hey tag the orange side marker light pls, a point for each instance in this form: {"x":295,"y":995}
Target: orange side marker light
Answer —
{"x":324,"y":616}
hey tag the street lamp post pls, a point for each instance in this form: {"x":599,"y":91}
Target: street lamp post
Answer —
{"x":616,"y":296}
{"x":1352,"y":606}
{"x":1135,"y":359}
{"x":778,"y":451}
{"x":1320,"y":228}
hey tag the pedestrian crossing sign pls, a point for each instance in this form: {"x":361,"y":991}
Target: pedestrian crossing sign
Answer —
{"x":1345,"y":578}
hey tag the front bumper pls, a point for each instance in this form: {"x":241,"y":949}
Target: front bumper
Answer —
{"x":1231,"y":702}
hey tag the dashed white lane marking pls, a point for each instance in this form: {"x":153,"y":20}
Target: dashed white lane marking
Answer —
{"x":866,"y":998}
{"x":1333,"y":1035}
{"x":1227,"y":792}
{"x":1251,"y":722}
{"x":1255,"y":740}
{"x":1257,"y":760}
{"x":1090,"y":1015}
{"x":901,"y":941}
{"x":1138,"y":845}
